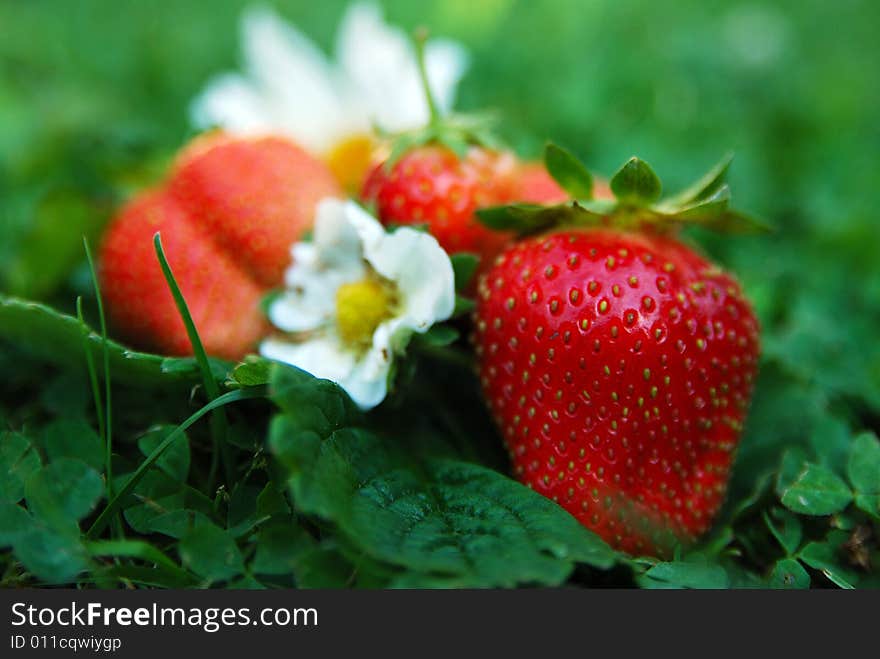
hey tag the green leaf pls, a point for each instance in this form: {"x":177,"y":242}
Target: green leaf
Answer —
{"x":280,"y":546}
{"x":863,"y":470}
{"x":636,"y":182}
{"x":786,"y":529}
{"x":58,"y":338}
{"x":175,"y":459}
{"x":133,"y":549}
{"x":14,"y":520}
{"x":464,"y":265}
{"x":831,"y":440}
{"x":318,"y":405}
{"x":823,"y":556}
{"x":681,"y":574}
{"x":178,"y":523}
{"x":210,"y":552}
{"x":18,"y":460}
{"x":74,"y":439}
{"x":252,"y":372}
{"x":123,"y":491}
{"x":66,"y":489}
{"x":189,"y":367}
{"x":432,"y":514}
{"x":816,"y":491}
{"x":568,"y":172}
{"x":706,"y":186}
{"x":789,"y":574}
{"x":438,"y":336}
{"x":525,"y":219}
{"x":793,"y":461}
{"x":54,"y":554}
{"x":463,"y":305}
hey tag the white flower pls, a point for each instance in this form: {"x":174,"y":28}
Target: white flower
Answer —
{"x":290,"y":86}
{"x":354,"y":297}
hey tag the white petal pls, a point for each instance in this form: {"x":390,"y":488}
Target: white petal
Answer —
{"x":323,"y":357}
{"x":364,"y":378}
{"x":301,"y":91}
{"x":231,"y":102}
{"x":422,"y":271}
{"x":340,"y":230}
{"x":304,"y":309}
{"x":446,"y":62}
{"x":380,"y":62}
{"x":368,"y":382}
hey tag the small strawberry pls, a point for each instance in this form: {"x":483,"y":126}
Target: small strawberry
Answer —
{"x":440,"y":175}
{"x":222,"y":297}
{"x":530,"y":182}
{"x":255,"y":196}
{"x":617,"y":362}
{"x":434,"y":186}
{"x":228,"y":217}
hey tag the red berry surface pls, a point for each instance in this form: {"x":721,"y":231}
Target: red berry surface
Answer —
{"x":222,"y":297}
{"x":618,"y":367}
{"x":430,"y":185}
{"x":530,"y":182}
{"x":255,"y":196}
{"x":228,"y":216}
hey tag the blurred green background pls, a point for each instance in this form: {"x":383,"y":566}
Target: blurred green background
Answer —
{"x":94,"y":97}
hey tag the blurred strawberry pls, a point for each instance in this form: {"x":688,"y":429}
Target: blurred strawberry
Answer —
{"x":222,"y":297}
{"x":256,"y":197}
{"x":228,"y":217}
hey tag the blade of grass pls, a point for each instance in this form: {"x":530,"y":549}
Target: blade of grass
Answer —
{"x":136,"y":549}
{"x":108,"y":415}
{"x":113,"y":505}
{"x":93,"y":375}
{"x":108,"y":401}
{"x":219,"y":423}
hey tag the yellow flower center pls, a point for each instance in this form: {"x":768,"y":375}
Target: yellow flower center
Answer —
{"x":350,"y":159}
{"x":361,"y":307}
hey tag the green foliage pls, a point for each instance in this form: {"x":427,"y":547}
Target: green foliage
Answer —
{"x":423,"y":511}
{"x":816,"y":491}
{"x":568,"y":171}
{"x":329,"y":504}
{"x":636,"y":182}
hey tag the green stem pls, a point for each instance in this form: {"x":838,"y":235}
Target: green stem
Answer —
{"x":421,"y":39}
{"x":93,"y":375}
{"x":219,"y":423}
{"x":108,"y":401}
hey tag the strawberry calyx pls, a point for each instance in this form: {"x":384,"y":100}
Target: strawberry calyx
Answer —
{"x":456,"y":132}
{"x":637,"y":202}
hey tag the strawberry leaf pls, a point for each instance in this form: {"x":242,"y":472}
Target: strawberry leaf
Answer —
{"x":706,"y":186}
{"x":568,"y":172}
{"x":525,"y":219}
{"x":415,"y":504}
{"x":58,"y":338}
{"x":636,"y":183}
{"x":464,"y":265}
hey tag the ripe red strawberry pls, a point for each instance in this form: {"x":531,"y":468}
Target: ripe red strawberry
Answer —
{"x":431,"y":185}
{"x":618,"y":364}
{"x":228,"y":217}
{"x":222,"y":297}
{"x":255,"y":196}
